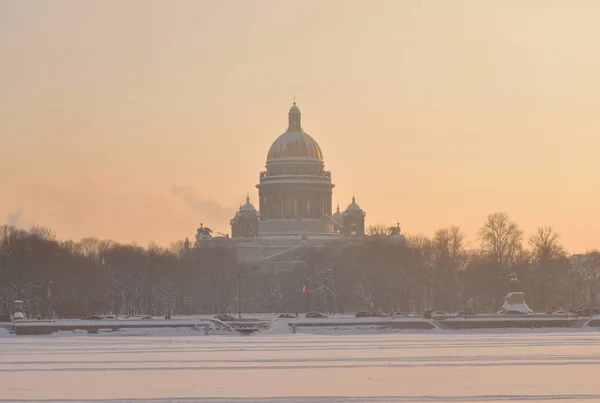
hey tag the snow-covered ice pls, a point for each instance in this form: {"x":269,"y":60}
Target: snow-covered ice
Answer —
{"x":438,"y":366}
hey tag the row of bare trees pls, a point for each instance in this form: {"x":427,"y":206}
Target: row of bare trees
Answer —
{"x":384,"y":272}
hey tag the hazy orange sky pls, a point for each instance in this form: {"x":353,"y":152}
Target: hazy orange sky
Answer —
{"x":137,"y":120}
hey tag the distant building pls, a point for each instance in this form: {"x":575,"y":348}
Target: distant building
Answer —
{"x":295,"y":206}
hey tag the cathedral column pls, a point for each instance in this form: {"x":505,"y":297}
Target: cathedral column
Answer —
{"x":302,"y":198}
{"x":285,"y":203}
{"x":318,"y":208}
{"x":273,"y":203}
{"x":290,"y":203}
{"x":321,"y":205}
{"x":280,"y":203}
{"x":261,"y":204}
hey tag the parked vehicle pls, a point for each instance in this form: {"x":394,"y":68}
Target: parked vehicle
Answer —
{"x":225,"y":318}
{"x":466,"y":312}
{"x":315,"y":315}
{"x":18,"y":314}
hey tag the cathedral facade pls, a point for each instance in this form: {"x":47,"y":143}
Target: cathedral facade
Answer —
{"x":295,"y":205}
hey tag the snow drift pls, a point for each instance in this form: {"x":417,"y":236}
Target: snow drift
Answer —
{"x":515,"y":301}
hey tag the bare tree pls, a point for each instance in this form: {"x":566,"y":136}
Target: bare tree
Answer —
{"x":365,"y":297}
{"x":42,"y":232}
{"x":545,"y":245}
{"x":97,"y":276}
{"x":377,"y":230}
{"x":549,"y":268}
{"x":419,"y":242}
{"x":449,"y":244}
{"x":326,"y":289}
{"x":448,"y":258}
{"x":592,"y":270}
{"x":178,"y":247}
{"x":275,"y":293}
{"x":501,"y":239}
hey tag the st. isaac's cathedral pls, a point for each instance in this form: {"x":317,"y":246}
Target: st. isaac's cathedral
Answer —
{"x":295,"y":206}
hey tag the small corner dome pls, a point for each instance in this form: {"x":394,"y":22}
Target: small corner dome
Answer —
{"x":248,"y":206}
{"x":353,"y":207}
{"x":338,"y":214}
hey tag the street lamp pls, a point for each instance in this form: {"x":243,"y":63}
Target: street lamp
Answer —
{"x":239,"y":281}
{"x":307,"y":291}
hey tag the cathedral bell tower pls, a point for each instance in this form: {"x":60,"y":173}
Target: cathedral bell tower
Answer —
{"x":294,"y":119}
{"x":354,"y":220}
{"x":245,"y":222}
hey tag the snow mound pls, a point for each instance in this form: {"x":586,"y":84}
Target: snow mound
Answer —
{"x":4,"y":332}
{"x":515,"y":301}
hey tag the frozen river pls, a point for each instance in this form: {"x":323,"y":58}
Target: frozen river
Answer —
{"x":433,"y":367}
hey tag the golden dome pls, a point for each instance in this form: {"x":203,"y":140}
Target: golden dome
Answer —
{"x":294,"y":143}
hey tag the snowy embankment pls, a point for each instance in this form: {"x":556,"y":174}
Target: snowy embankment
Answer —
{"x":151,"y":331}
{"x":335,"y":325}
{"x":593,"y":322}
{"x":346,"y":324}
{"x":122,"y":325}
{"x":509,"y":322}
{"x":452,"y":323}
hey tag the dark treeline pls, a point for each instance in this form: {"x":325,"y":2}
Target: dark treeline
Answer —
{"x":382,"y":273}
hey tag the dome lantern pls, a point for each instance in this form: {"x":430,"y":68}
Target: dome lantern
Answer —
{"x":294,"y":118}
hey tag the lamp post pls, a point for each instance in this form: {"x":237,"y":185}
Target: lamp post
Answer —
{"x":307,"y":291}
{"x":239,"y":281}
